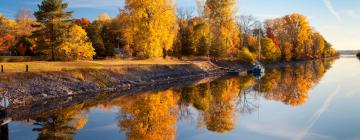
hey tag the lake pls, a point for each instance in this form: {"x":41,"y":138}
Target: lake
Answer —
{"x":310,"y":100}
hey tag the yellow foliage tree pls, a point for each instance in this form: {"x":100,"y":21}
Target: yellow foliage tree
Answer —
{"x":300,"y":32}
{"x":149,"y":27}
{"x":269,"y":51}
{"x":77,"y":46}
{"x":224,"y":30}
{"x":246,"y":56}
{"x":252,"y":43}
{"x":318,"y":45}
{"x":296,"y":38}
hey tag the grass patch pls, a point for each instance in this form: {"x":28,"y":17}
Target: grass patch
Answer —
{"x":46,"y":66}
{"x":16,"y":58}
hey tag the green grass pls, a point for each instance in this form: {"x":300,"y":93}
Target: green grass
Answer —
{"x":46,"y":66}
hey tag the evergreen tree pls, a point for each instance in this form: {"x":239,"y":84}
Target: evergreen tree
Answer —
{"x":54,"y":23}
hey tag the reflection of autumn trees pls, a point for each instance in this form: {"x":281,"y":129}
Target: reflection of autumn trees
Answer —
{"x":291,"y":84}
{"x":245,"y":102}
{"x":154,"y":115}
{"x":215,"y":103}
{"x":220,"y":116}
{"x":61,"y":125}
{"x":149,"y":116}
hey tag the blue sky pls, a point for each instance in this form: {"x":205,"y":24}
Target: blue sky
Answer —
{"x":337,"y":20}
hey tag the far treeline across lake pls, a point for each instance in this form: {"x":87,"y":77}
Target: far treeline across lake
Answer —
{"x":144,"y":29}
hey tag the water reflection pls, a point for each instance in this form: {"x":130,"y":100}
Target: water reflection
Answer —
{"x":218,"y":104}
{"x":149,"y":116}
{"x":291,"y":84}
{"x":61,"y":125}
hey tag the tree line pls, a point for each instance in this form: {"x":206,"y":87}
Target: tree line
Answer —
{"x":144,"y":29}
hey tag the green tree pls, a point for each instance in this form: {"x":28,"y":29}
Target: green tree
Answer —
{"x":203,"y":46}
{"x":102,"y":36}
{"x":202,"y":39}
{"x":54,"y":23}
{"x":76,"y":47}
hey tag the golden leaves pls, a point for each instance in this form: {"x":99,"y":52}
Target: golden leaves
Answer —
{"x":150,"y":28}
{"x":77,"y":46}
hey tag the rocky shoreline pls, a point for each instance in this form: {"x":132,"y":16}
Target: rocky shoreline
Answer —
{"x":52,"y":106}
{"x":22,"y":89}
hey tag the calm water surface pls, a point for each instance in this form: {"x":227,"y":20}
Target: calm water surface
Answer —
{"x":313,"y":100}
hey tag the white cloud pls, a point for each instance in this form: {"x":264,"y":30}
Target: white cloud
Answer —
{"x":332,"y":10}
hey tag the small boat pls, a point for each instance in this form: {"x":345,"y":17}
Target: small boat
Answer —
{"x":258,"y":69}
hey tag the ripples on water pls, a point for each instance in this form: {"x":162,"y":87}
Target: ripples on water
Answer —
{"x":277,"y":106}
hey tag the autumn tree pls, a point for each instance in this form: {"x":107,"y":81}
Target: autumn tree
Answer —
{"x":25,"y":21}
{"x":299,"y":33}
{"x":246,"y":25}
{"x":252,"y":43}
{"x":102,"y":36}
{"x":295,"y":37}
{"x":7,"y":33}
{"x":275,"y":31}
{"x":149,"y":27}
{"x":193,"y":37}
{"x":83,"y":22}
{"x":318,"y":45}
{"x":328,"y":50}
{"x":269,"y":51}
{"x":224,"y":31}
{"x":54,"y":22}
{"x":246,"y":56}
{"x":76,"y":46}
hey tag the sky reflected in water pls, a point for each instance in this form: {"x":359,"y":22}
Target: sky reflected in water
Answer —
{"x":311,"y":100}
